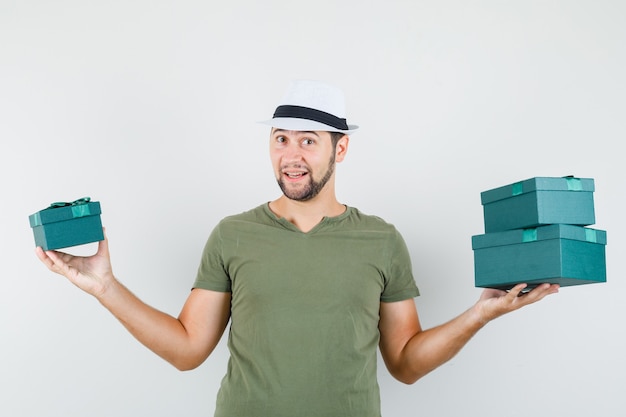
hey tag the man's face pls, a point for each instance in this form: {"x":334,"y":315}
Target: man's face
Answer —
{"x":303,"y":162}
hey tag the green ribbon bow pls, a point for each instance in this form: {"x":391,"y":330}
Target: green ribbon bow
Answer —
{"x":78,"y":202}
{"x":80,"y":208}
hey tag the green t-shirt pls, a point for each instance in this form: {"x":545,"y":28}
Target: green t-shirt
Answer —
{"x":305,"y":311}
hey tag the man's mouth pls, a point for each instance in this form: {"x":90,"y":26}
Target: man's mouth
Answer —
{"x":295,"y":175}
{"x":294,"y":172}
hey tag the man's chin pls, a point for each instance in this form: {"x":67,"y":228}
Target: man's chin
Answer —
{"x":304,"y":194}
{"x":298,"y":196}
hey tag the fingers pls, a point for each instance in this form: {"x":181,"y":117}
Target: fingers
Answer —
{"x":544,"y":290}
{"x":43,"y":257}
{"x":492,"y":293}
{"x":535,"y":294}
{"x":50,"y":259}
{"x":516,"y":291}
{"x":60,"y":262}
{"x":103,"y":245}
{"x":516,"y":298}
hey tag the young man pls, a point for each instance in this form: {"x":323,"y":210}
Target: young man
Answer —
{"x":311,"y":287}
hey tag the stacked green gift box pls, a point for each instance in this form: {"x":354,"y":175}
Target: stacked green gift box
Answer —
{"x":62,"y":225}
{"x":535,"y":232}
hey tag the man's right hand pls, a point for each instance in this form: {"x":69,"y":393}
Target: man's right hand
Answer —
{"x":92,"y":274}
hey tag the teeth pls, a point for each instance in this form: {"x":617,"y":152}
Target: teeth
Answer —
{"x":294,"y":175}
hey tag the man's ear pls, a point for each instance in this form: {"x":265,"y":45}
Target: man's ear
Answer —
{"x":342,"y":148}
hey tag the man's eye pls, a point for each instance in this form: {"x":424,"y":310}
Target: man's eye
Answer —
{"x":280,"y":139}
{"x":308,"y":141}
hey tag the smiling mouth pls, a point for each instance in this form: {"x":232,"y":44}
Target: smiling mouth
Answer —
{"x":295,"y":175}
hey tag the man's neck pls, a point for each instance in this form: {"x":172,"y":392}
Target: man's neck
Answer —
{"x":305,"y":215}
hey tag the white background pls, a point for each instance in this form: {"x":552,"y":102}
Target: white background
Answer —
{"x":150,"y":107}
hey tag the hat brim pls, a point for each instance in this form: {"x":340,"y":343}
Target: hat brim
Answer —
{"x":289,"y":123}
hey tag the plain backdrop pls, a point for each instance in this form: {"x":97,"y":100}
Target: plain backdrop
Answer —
{"x":151,"y":108}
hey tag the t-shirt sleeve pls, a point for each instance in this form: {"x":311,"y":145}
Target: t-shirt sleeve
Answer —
{"x":399,"y":281}
{"x":212,"y":273}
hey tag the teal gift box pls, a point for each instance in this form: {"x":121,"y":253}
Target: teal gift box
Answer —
{"x":67,"y":224}
{"x":558,"y":254}
{"x":539,"y":201}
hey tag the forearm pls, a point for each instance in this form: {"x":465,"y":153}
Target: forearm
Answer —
{"x":185,"y":341}
{"x":431,"y":348}
{"x":410,"y":352}
{"x":160,"y":332}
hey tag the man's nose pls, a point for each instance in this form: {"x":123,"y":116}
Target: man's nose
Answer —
{"x":292,"y":153}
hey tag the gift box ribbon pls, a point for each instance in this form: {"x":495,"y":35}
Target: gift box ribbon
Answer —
{"x":79,"y":207}
{"x":529,"y":235}
{"x":78,"y":202}
{"x":591,"y":236}
{"x":573,"y":184}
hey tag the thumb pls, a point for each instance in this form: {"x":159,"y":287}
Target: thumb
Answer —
{"x":103,"y":245}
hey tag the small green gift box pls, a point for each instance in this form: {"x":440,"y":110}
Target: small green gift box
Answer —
{"x":539,"y":201}
{"x":67,"y":224}
{"x":558,"y":254}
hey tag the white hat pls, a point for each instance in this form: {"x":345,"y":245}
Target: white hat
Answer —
{"x":312,"y":105}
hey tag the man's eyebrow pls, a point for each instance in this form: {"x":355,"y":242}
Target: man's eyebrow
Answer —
{"x":312,"y":132}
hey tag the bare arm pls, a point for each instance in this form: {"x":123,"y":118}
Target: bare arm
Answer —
{"x":185,"y":341}
{"x":410,"y":352}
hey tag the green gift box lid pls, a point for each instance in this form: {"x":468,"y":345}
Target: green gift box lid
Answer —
{"x":62,"y":225}
{"x":559,"y":254}
{"x":539,"y":201}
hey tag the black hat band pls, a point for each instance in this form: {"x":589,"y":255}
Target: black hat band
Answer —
{"x":300,"y":112}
